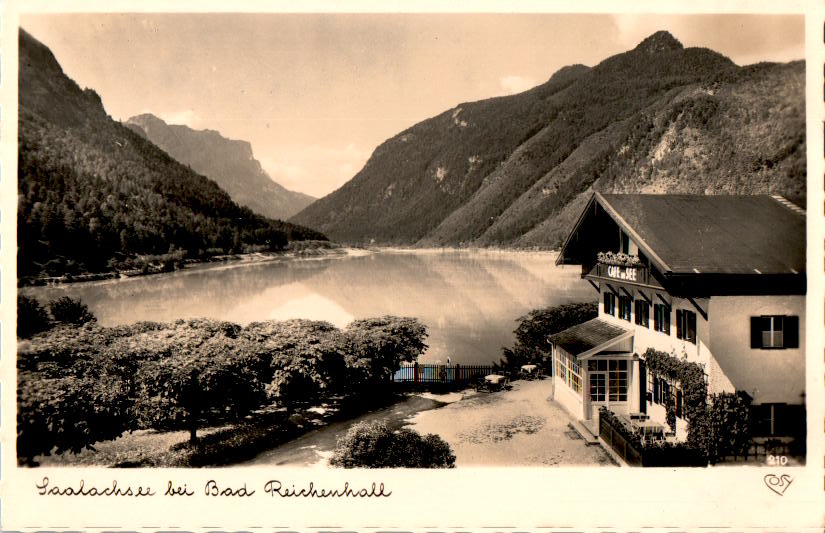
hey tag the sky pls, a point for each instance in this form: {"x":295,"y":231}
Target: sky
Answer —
{"x":315,"y":94}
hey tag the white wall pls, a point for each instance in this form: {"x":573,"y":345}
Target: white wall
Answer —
{"x":768,"y":375}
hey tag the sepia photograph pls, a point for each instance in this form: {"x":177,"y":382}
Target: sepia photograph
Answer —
{"x":387,"y":242}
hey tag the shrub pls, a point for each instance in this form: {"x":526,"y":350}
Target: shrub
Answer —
{"x":723,"y":428}
{"x":71,"y":311}
{"x":31,"y":317}
{"x":374,"y":445}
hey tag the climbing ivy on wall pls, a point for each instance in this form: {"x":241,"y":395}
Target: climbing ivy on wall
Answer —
{"x":690,"y":376}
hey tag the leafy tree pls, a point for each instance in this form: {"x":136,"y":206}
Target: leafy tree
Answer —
{"x":376,"y":347}
{"x":304,"y":357}
{"x":532,"y":345}
{"x":68,"y":413}
{"x":204,"y":374}
{"x":374,"y":445}
{"x":32,"y":318}
{"x":71,"y":311}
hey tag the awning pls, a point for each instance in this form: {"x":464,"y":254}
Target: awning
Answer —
{"x":591,"y":337}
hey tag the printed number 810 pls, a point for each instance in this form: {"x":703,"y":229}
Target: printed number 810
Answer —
{"x":777,"y":460}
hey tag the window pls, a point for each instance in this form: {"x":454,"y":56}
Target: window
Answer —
{"x":624,"y":307}
{"x":608,"y":380}
{"x":617,"y":380}
{"x":774,"y":332}
{"x":570,"y":371}
{"x":642,"y":313}
{"x":609,"y":303}
{"x":597,"y":387}
{"x":661,"y":318}
{"x":686,"y":325}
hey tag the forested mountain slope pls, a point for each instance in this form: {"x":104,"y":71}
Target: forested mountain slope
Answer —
{"x":513,"y":171}
{"x":93,"y":194}
{"x":228,"y":162}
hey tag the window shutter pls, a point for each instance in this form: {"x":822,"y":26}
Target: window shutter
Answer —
{"x":656,"y":389}
{"x":642,"y":386}
{"x":680,"y":330}
{"x":756,"y":332}
{"x":791,"y":331}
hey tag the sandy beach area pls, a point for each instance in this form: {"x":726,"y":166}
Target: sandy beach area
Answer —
{"x":519,"y":427}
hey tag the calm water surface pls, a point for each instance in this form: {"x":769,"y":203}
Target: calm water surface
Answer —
{"x":469,"y":300}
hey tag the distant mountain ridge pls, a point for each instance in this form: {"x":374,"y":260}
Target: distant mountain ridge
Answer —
{"x":514,"y":171}
{"x":94,"y":196}
{"x":228,"y":162}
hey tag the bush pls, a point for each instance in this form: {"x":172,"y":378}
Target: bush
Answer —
{"x":71,"y":311}
{"x":32,"y":318}
{"x":724,"y":427}
{"x":374,"y":445}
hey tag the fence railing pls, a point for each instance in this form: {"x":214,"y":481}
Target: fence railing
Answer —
{"x":434,"y":373}
{"x":619,"y":444}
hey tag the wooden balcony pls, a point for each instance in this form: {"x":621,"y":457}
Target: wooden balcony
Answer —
{"x":634,"y":275}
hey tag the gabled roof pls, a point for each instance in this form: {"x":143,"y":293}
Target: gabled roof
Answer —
{"x":589,"y":337}
{"x":710,"y":234}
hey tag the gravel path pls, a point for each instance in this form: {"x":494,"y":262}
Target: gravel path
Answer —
{"x":519,"y":427}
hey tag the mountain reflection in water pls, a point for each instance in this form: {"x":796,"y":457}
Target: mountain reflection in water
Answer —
{"x":469,"y":300}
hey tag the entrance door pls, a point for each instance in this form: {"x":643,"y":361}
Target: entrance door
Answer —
{"x":608,"y":379}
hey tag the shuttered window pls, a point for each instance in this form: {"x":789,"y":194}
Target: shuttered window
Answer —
{"x":642,"y":313}
{"x":774,"y":332}
{"x":686,"y":325}
{"x":609,"y":303}
{"x":661,"y":318}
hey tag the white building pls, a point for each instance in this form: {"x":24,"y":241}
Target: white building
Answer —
{"x":716,"y":280}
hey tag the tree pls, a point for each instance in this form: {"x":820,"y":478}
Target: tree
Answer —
{"x":203,"y":374}
{"x":304,"y":358}
{"x":375,"y":445}
{"x":532,"y":344}
{"x":32,"y":318}
{"x":377,"y":346}
{"x":71,"y":311}
{"x":68,"y":413}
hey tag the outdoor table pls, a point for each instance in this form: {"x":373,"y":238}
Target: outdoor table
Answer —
{"x":494,"y":379}
{"x":529,"y":368}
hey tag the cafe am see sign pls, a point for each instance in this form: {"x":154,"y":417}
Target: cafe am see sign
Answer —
{"x":626,"y":273}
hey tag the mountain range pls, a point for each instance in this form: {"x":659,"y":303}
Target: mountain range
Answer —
{"x":514,"y":171}
{"x":93,"y":195}
{"x":229,"y":163}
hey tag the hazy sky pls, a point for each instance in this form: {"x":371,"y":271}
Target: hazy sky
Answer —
{"x":315,"y":94}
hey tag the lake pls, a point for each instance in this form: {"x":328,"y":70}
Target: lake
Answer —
{"x":468,"y":299}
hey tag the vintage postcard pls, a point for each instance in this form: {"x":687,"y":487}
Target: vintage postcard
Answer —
{"x":355,"y":266}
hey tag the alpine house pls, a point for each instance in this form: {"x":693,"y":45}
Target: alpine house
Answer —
{"x":716,"y":280}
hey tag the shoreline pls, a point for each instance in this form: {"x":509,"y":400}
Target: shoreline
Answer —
{"x":192,"y":264}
